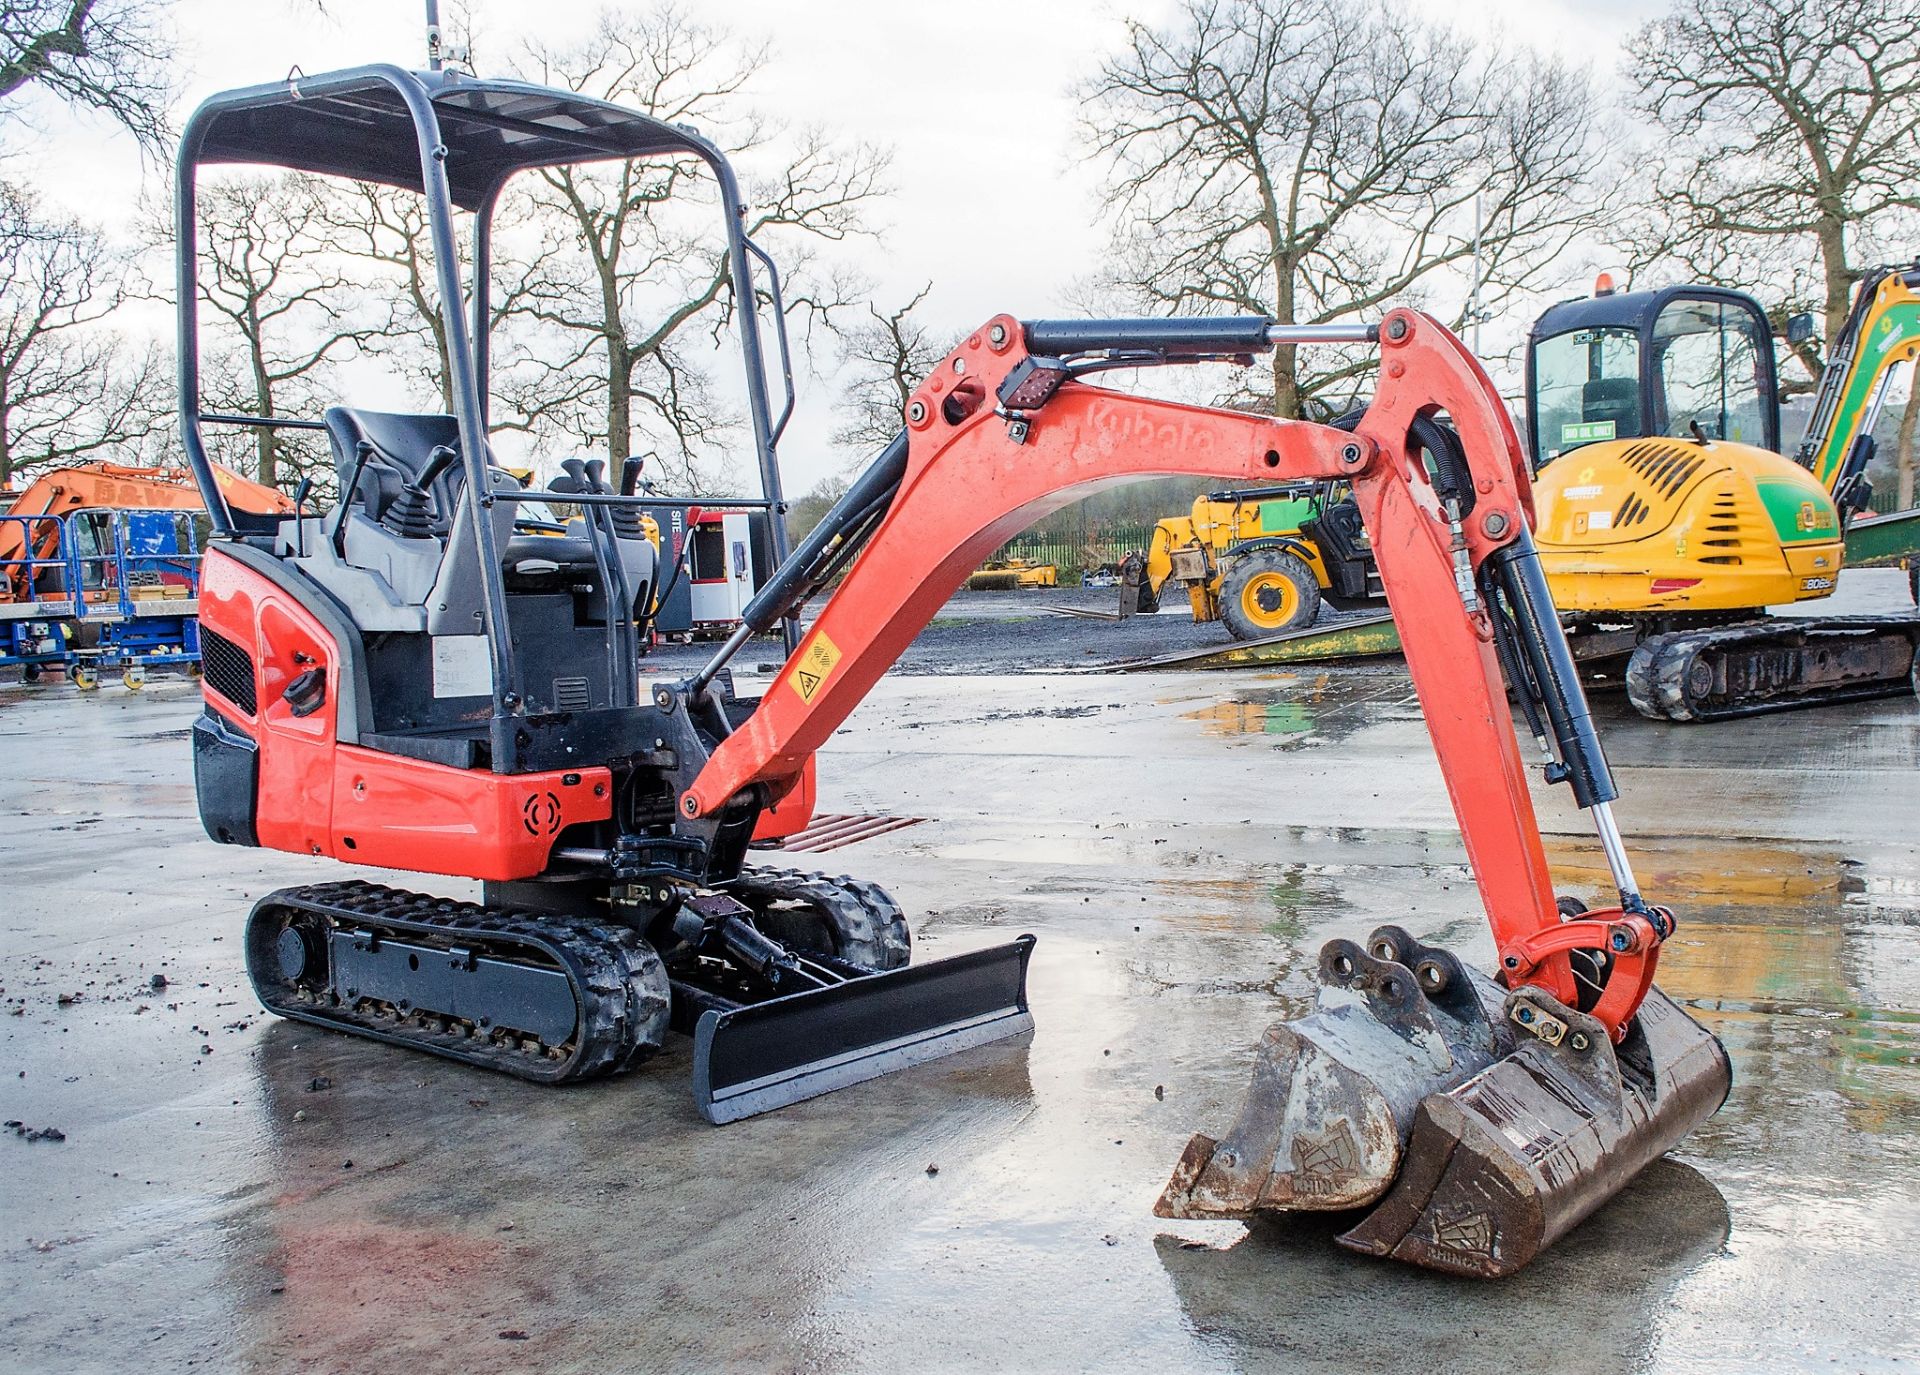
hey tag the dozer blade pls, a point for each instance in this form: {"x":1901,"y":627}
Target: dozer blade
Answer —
{"x":1335,"y":1093}
{"x":1501,"y":1166}
{"x":762,"y":1056}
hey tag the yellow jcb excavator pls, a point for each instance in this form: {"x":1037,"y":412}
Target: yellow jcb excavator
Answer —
{"x":1669,"y":517}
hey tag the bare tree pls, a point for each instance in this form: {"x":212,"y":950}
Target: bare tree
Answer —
{"x":286,"y":308}
{"x":385,"y":228}
{"x":1320,"y":160}
{"x":610,"y":301}
{"x":106,"y":55}
{"x":1792,"y":134}
{"x":883,"y":359}
{"x":68,"y":389}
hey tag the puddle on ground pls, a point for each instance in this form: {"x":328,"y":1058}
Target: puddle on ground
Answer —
{"x":1308,"y":708}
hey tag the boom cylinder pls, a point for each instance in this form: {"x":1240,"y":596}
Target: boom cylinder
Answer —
{"x":1524,"y":582}
{"x":797,"y":578}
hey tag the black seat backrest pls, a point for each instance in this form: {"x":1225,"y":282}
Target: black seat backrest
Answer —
{"x":1612,"y":398}
{"x":402,"y":442}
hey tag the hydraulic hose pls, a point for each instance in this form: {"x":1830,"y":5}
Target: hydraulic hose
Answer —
{"x":827,"y":546}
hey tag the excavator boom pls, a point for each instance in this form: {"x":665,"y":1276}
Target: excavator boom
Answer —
{"x":1882,"y":331}
{"x":1005,"y":431}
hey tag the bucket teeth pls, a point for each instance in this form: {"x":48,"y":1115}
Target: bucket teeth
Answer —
{"x":1334,"y":1094}
{"x":1505,"y":1163}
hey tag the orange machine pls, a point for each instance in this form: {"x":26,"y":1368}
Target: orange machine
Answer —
{"x":409,"y":682}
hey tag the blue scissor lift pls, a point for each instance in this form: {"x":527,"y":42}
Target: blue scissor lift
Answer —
{"x":36,"y":634}
{"x":112,"y":590}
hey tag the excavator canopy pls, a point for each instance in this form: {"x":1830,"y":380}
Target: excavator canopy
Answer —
{"x":360,"y":124}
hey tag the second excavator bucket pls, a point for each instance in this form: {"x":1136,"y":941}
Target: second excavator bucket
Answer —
{"x":1334,"y":1093}
{"x":1485,"y":1123}
{"x":761,"y":1056}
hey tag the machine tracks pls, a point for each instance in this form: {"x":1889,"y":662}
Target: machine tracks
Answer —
{"x":855,"y":920}
{"x":1718,"y":672}
{"x":542,"y":997}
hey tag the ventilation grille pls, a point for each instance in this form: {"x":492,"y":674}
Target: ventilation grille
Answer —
{"x":571,"y":694}
{"x":228,"y":670}
{"x":1667,"y":467}
{"x":1632,"y":512}
{"x":1725,"y":532}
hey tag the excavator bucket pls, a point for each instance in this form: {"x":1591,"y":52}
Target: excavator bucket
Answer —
{"x":1491,"y":1122}
{"x":1500,"y":1167}
{"x":761,"y":1056}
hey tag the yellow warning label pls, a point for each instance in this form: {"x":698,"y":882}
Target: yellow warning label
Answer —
{"x":814,"y":667}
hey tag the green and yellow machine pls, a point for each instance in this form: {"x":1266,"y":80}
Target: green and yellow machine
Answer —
{"x":1254,"y":559}
{"x":1669,"y":517}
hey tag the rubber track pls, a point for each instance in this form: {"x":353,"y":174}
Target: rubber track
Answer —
{"x":1657,"y":672}
{"x":618,"y":980}
{"x":870,"y":927}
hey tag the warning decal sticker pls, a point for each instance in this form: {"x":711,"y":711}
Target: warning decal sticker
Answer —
{"x":814,"y":667}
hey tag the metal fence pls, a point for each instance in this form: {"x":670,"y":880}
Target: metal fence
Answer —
{"x":1078,"y":551}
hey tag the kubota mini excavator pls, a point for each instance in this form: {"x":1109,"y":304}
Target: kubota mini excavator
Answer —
{"x":407,"y":683}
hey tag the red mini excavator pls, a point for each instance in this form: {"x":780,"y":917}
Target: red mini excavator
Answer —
{"x":411,"y":682}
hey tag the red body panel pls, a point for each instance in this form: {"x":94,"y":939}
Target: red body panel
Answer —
{"x":319,"y":796}
{"x":791,"y":813}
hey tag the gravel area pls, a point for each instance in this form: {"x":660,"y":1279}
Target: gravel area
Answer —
{"x":1006,"y":632}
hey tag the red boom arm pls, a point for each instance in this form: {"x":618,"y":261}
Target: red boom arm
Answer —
{"x":970,"y":485}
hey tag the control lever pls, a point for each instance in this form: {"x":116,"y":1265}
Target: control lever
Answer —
{"x":300,"y":495}
{"x":411,"y":515}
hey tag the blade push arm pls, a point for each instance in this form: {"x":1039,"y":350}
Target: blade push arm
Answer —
{"x":998,"y":437}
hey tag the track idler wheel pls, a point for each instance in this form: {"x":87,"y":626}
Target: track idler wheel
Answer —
{"x":1501,"y":1166}
{"x":1335,"y":1093}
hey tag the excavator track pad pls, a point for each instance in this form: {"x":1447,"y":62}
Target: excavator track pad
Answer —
{"x":1483,"y":1123}
{"x":537,"y":996}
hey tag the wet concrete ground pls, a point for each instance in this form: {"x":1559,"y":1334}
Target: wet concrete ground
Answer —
{"x":1182,"y":844}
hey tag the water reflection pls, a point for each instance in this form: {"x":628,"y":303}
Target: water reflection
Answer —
{"x":1308,"y":708}
{"x":1285,"y":1293}
{"x":601,"y":1218}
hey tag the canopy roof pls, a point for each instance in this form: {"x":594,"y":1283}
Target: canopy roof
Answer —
{"x":357,"y":124}
{"x":1634,"y":310}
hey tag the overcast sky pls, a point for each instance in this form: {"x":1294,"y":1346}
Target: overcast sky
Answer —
{"x":991,"y":201}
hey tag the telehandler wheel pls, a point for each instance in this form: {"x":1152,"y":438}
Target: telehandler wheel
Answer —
{"x":1268,"y":592}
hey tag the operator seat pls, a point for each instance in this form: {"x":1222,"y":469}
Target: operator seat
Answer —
{"x":1612,"y":398}
{"x":405,"y":443}
{"x":400,"y":447}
